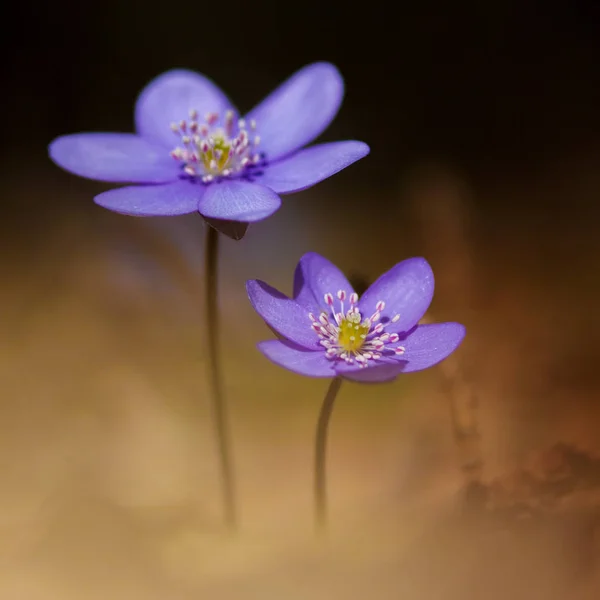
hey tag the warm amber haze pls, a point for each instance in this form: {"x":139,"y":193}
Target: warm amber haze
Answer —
{"x":109,"y":479}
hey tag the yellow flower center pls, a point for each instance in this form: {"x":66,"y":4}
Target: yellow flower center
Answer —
{"x":347,"y":336}
{"x":209,"y":150}
{"x":216,"y":158}
{"x":352,"y":333}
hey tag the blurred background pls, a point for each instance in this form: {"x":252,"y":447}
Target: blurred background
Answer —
{"x":477,"y":479}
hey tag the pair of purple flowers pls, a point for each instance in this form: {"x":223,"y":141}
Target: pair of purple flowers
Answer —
{"x":193,"y":152}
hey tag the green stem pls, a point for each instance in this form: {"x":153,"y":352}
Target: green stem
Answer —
{"x":321,"y":456}
{"x":215,"y":380}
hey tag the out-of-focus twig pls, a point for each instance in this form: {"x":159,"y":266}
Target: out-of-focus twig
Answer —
{"x":441,"y":210}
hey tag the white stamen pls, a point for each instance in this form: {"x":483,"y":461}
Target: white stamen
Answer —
{"x":218,"y":147}
{"x":349,"y":337}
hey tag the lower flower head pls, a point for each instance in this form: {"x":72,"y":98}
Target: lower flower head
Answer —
{"x":372,"y":338}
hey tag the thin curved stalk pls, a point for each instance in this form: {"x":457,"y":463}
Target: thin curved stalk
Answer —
{"x":320,"y":490}
{"x":215,"y":380}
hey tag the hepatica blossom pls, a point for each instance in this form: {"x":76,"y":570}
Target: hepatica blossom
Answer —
{"x":192,"y":151}
{"x":327,"y":330}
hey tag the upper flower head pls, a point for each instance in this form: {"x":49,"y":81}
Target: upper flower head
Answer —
{"x":328,"y":330}
{"x":199,"y":154}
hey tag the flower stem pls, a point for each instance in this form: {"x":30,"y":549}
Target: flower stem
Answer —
{"x":321,"y":456}
{"x":214,"y":376}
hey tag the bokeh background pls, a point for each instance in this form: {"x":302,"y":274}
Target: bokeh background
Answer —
{"x":474,"y":480}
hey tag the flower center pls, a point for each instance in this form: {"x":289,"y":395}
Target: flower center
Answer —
{"x":352,"y":332}
{"x":348,"y":336}
{"x":215,"y":148}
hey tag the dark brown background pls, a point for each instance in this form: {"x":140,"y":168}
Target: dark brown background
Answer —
{"x":485,"y":133}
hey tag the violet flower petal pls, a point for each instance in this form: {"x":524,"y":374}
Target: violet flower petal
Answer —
{"x":380,"y":372}
{"x":428,"y":345}
{"x":170,"y":97}
{"x":307,"y":167}
{"x":116,"y":157}
{"x":314,"y":277}
{"x":284,"y":315}
{"x":178,"y":198}
{"x":235,"y":200}
{"x":299,"y":110}
{"x":425,"y":346}
{"x":296,"y":359}
{"x":406,"y":289}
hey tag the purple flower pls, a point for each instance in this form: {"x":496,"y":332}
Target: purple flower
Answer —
{"x":327,"y":331}
{"x":193,"y":153}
